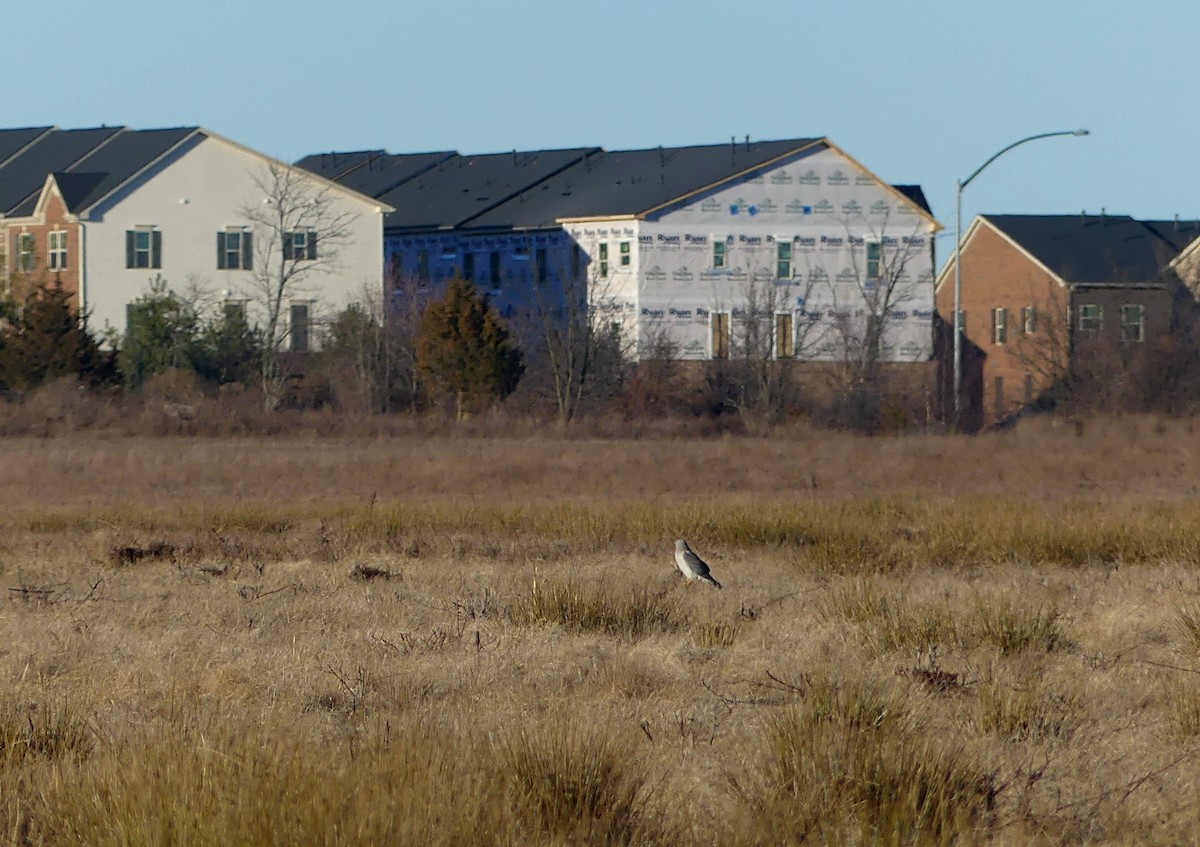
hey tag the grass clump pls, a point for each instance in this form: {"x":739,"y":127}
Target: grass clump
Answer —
{"x":1188,"y":625}
{"x":848,"y":765}
{"x":573,"y":785}
{"x":886,"y":620}
{"x":1013,"y":629}
{"x":625,"y":612}
{"x":1029,"y":711}
{"x":52,"y":733}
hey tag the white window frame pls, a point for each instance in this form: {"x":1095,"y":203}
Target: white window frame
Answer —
{"x":1029,"y":320}
{"x":720,"y":258}
{"x":624,"y":254}
{"x":874,"y":264}
{"x":26,"y":251}
{"x":784,"y":266}
{"x":242,"y":260}
{"x":1086,"y":321}
{"x":602,"y":260}
{"x":1139,"y":325}
{"x":56,"y":250}
{"x":1000,"y":325}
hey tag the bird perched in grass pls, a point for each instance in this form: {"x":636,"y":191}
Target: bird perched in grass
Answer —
{"x":691,"y":565}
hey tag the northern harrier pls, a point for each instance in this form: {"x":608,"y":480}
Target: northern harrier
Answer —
{"x":691,"y":565}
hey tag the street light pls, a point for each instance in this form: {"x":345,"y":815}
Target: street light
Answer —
{"x":963,"y":183}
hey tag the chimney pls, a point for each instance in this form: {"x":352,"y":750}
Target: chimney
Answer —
{"x":747,"y":142}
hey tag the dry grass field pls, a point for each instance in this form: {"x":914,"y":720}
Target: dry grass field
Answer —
{"x":449,"y":641}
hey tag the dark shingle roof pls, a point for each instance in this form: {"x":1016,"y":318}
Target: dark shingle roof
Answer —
{"x":631,"y":182}
{"x":123,"y":157}
{"x":461,"y":188}
{"x":1096,"y":248}
{"x":87,"y":163}
{"x":13,"y":140}
{"x":372,"y":172}
{"x":915,"y":194}
{"x":76,"y":187}
{"x":23,"y":176}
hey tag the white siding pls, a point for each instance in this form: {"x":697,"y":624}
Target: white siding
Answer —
{"x":189,"y":199}
{"x":827,"y":210}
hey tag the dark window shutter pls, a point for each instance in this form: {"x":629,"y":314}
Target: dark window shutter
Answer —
{"x":288,"y":242}
{"x":247,"y":251}
{"x":129,"y":251}
{"x":156,"y":249}
{"x":312,"y":245}
{"x":220,"y":251}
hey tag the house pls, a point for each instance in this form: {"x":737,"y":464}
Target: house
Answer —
{"x":1044,"y":294}
{"x":104,"y":211}
{"x":695,"y":246}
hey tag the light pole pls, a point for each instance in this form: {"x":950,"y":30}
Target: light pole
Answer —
{"x":963,"y":183}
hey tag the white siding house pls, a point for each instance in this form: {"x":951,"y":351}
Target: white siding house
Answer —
{"x":689,"y":246}
{"x":158,"y":203}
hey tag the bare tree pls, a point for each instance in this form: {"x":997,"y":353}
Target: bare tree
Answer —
{"x":867,"y":297}
{"x":577,"y":329}
{"x":298,"y":232}
{"x":771,"y":333}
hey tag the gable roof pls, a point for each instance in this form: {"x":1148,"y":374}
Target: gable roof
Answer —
{"x":89,"y":165}
{"x":544,"y":188}
{"x":23,"y":175}
{"x":13,"y":141}
{"x":1109,"y":249}
{"x":462,"y":188}
{"x":108,"y":166}
{"x":629,"y":183}
{"x":372,"y":172}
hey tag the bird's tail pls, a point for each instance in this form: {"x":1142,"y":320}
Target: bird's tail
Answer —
{"x":712,"y":582}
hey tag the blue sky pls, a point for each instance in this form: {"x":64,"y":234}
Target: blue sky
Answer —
{"x":918,"y":92}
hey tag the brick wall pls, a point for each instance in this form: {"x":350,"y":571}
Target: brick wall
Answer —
{"x":997,"y":275}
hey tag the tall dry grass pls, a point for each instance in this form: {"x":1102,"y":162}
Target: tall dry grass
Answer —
{"x":458,"y":640}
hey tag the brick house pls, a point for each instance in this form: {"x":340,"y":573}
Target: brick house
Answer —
{"x":1044,"y":294}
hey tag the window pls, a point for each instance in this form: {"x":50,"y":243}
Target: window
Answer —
{"x":784,"y":339}
{"x":299,"y":328}
{"x":235,"y":310}
{"x":234,"y":250}
{"x":494,"y":268}
{"x":783,"y":260}
{"x":719,"y":255}
{"x":25,"y":251}
{"x":874,"y":259}
{"x":576,"y":259}
{"x":603,"y":272}
{"x":1091,"y":317}
{"x":1029,"y":320}
{"x":469,"y":267}
{"x":423,"y":267}
{"x":300,"y":244}
{"x":719,"y":322}
{"x":143,"y":247}
{"x":540,"y":265}
{"x":625,"y":254}
{"x":998,"y":389}
{"x":999,"y":326}
{"x":56,"y":255}
{"x":1133,"y":322}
